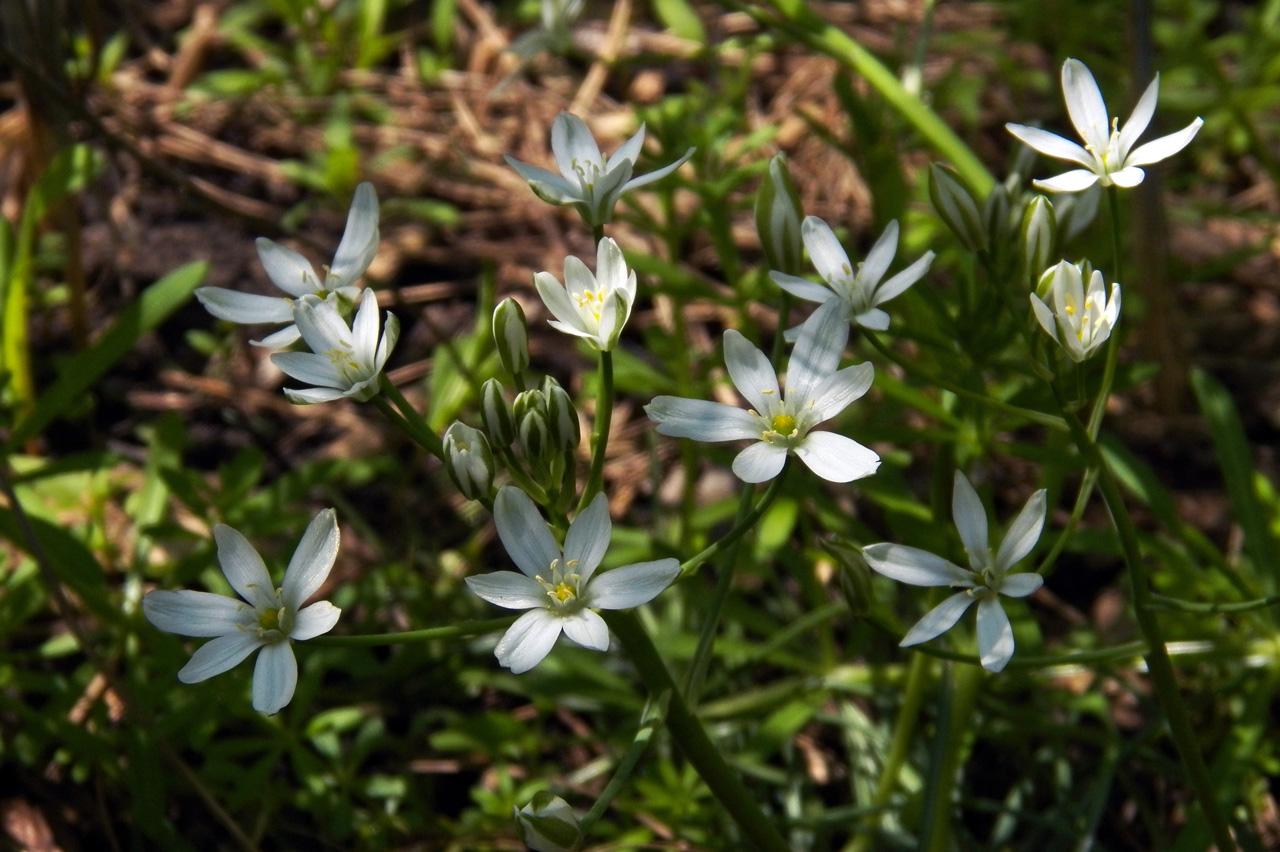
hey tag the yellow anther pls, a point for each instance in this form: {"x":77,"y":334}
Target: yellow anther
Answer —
{"x":563,"y":592}
{"x":784,"y":424}
{"x":269,"y":619}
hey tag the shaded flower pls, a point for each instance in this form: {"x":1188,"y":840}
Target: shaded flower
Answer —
{"x":559,"y":587}
{"x":594,"y":307}
{"x":1079,"y":320}
{"x":343,"y":361}
{"x":548,"y":824}
{"x":782,"y":424}
{"x":293,"y":274}
{"x":859,"y":290}
{"x":589,"y":181}
{"x":1108,"y":155}
{"x":270,"y":619}
{"x":984,"y":581}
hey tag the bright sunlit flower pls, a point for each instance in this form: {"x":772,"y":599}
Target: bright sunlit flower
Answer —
{"x":558,"y":587}
{"x":270,"y":620}
{"x":292,"y":273}
{"x":984,"y":581}
{"x":1079,"y":320}
{"x":781,"y":424}
{"x":589,"y":181}
{"x":594,"y":307}
{"x":859,"y":289}
{"x":343,"y":361}
{"x":1108,"y":155}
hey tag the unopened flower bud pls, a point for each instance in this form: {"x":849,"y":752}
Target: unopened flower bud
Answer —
{"x":1039,"y":235}
{"x":566,"y":434}
{"x":995,"y":221}
{"x":547,"y":824}
{"x":496,"y":415}
{"x":530,"y":400}
{"x":535,"y":435}
{"x":778,"y":217}
{"x":468,"y":461}
{"x":956,"y":207}
{"x":511,"y":334}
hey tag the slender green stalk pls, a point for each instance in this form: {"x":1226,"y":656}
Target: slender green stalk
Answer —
{"x":600,"y":440}
{"x":739,"y":528}
{"x":453,"y":631}
{"x":407,"y":418}
{"x":654,"y":715}
{"x":1113,"y":342}
{"x":597,"y":234}
{"x":1163,"y":602}
{"x":691,"y":737}
{"x":953,"y":733}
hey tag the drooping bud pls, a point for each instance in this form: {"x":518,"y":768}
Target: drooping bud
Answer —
{"x":562,"y":417}
{"x":1039,"y":236}
{"x":511,"y":334}
{"x":956,"y":207}
{"x":547,"y":824}
{"x":778,"y":217}
{"x":468,"y":461}
{"x":496,"y":415}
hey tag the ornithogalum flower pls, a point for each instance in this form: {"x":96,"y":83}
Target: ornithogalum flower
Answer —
{"x":292,"y":273}
{"x":593,"y":307}
{"x":1108,"y":155}
{"x":782,"y":423}
{"x":588,"y":180}
{"x":859,"y":290}
{"x":559,"y":588}
{"x":1080,"y":319}
{"x":984,"y":581}
{"x":268,"y":618}
{"x":343,"y":361}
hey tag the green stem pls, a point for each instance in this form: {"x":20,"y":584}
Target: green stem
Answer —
{"x":453,"y":631}
{"x":1113,"y":342}
{"x":522,"y":480}
{"x":597,"y":234}
{"x":1163,"y":602}
{"x":600,"y":440}
{"x":654,"y":715}
{"x":739,"y":528}
{"x":953,"y":731}
{"x":691,"y":737}
{"x":408,"y":418}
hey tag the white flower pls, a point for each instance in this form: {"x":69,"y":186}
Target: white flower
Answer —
{"x":548,"y":824}
{"x":1080,"y":321}
{"x":815,"y":391}
{"x":860,"y":290}
{"x":594,"y":307}
{"x":986,"y":579}
{"x":291,"y":272}
{"x":589,"y":181}
{"x":343,"y":361}
{"x":557,"y":586}
{"x":556,"y":31}
{"x":1108,"y":155}
{"x":270,"y":620}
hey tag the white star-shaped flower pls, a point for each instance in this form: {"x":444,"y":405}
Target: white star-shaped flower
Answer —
{"x":984,"y":581}
{"x":1079,"y":320}
{"x":343,"y":361}
{"x":560,"y":587}
{"x":292,"y":273}
{"x":270,"y":619}
{"x":782,"y":424}
{"x":594,"y":307}
{"x":588,"y":180}
{"x":1108,"y":155}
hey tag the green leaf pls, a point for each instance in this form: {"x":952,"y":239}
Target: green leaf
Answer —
{"x":679,"y":17}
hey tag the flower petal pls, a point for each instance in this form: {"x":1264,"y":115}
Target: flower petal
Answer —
{"x":914,"y":566}
{"x":759,"y":462}
{"x":322,"y":327}
{"x":315,"y":370}
{"x":1128,"y":177}
{"x":245,"y":308}
{"x":631,"y":585}
{"x":828,"y":256}
{"x":818,"y":350}
{"x":312,"y":560}
{"x":1085,"y":105}
{"x":190,"y":613}
{"x":551,"y":185}
{"x":275,"y":677}
{"x":557,"y":299}
{"x":751,"y":372}
{"x":629,"y":150}
{"x":287,"y":269}
{"x":218,"y":655}
{"x":572,"y":143}
{"x":528,"y":640}
{"x":244,"y":568}
{"x":899,"y":283}
{"x":995,"y":635}
{"x":1023,"y":533}
{"x":971,"y":520}
{"x":1021,"y":585}
{"x":509,"y":590}
{"x":364,"y":330}
{"x":311,"y":396}
{"x":587,"y":629}
{"x":938,"y":620}
{"x":802,"y":288}
{"x":836,"y":458}
{"x":1138,"y":119}
{"x":315,"y":620}
{"x":1166,"y":146}
{"x":524,"y":533}
{"x":286,"y":336}
{"x":1051,"y":144}
{"x":701,"y":419}
{"x":1072,"y":181}
{"x":359,"y":241}
{"x":659,"y":174}
{"x":841,"y":388}
{"x":1044,"y":316}
{"x":881,"y":255}
{"x":588,"y":537}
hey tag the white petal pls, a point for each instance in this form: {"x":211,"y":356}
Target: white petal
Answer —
{"x":759,"y":462}
{"x":245,"y":308}
{"x":817,"y":353}
{"x":899,"y":283}
{"x":1050,"y":144}
{"x":751,"y":372}
{"x":1020,"y":585}
{"x":995,"y":635}
{"x":1128,"y":177}
{"x":365,"y":328}
{"x":913,"y":566}
{"x":196,"y":613}
{"x":1166,"y":146}
{"x":836,"y":458}
{"x":632,"y":585}
{"x":509,"y":590}
{"x":1023,"y":533}
{"x":359,"y":241}
{"x":390,"y":334}
{"x":659,"y":174}
{"x":287,"y":269}
{"x":874,"y":319}
{"x":611,"y":265}
{"x":1072,"y":181}
{"x":312,"y":560}
{"x":1139,"y":118}
{"x":322,"y":327}
{"x":311,"y":396}
{"x":970,"y":517}
{"x":629,"y":150}
{"x":550,"y":184}
{"x":316,"y":370}
{"x":528,"y":640}
{"x":841,"y":388}
{"x":275,"y":677}
{"x":607,"y":190}
{"x":880,"y":256}
{"x":315,"y":620}
{"x":1085,"y":105}
{"x":587,"y":629}
{"x":524,"y":533}
{"x":1045,"y":316}
{"x":286,"y":336}
{"x":938,"y":620}
{"x":588,"y":537}
{"x":701,"y":420}
{"x":557,"y":299}
{"x":802,"y":288}
{"x":218,"y":655}
{"x":244,"y":568}
{"x":828,"y":256}
{"x":571,"y":141}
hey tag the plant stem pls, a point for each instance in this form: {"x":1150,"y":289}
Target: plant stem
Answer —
{"x":739,"y":528}
{"x":453,"y":631}
{"x":408,"y":418}
{"x":600,"y":440}
{"x":654,"y":714}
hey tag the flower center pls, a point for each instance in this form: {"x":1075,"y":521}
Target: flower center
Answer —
{"x":343,"y":359}
{"x":784,"y":424}
{"x":274,"y":624}
{"x":590,"y":303}
{"x":563,"y":587}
